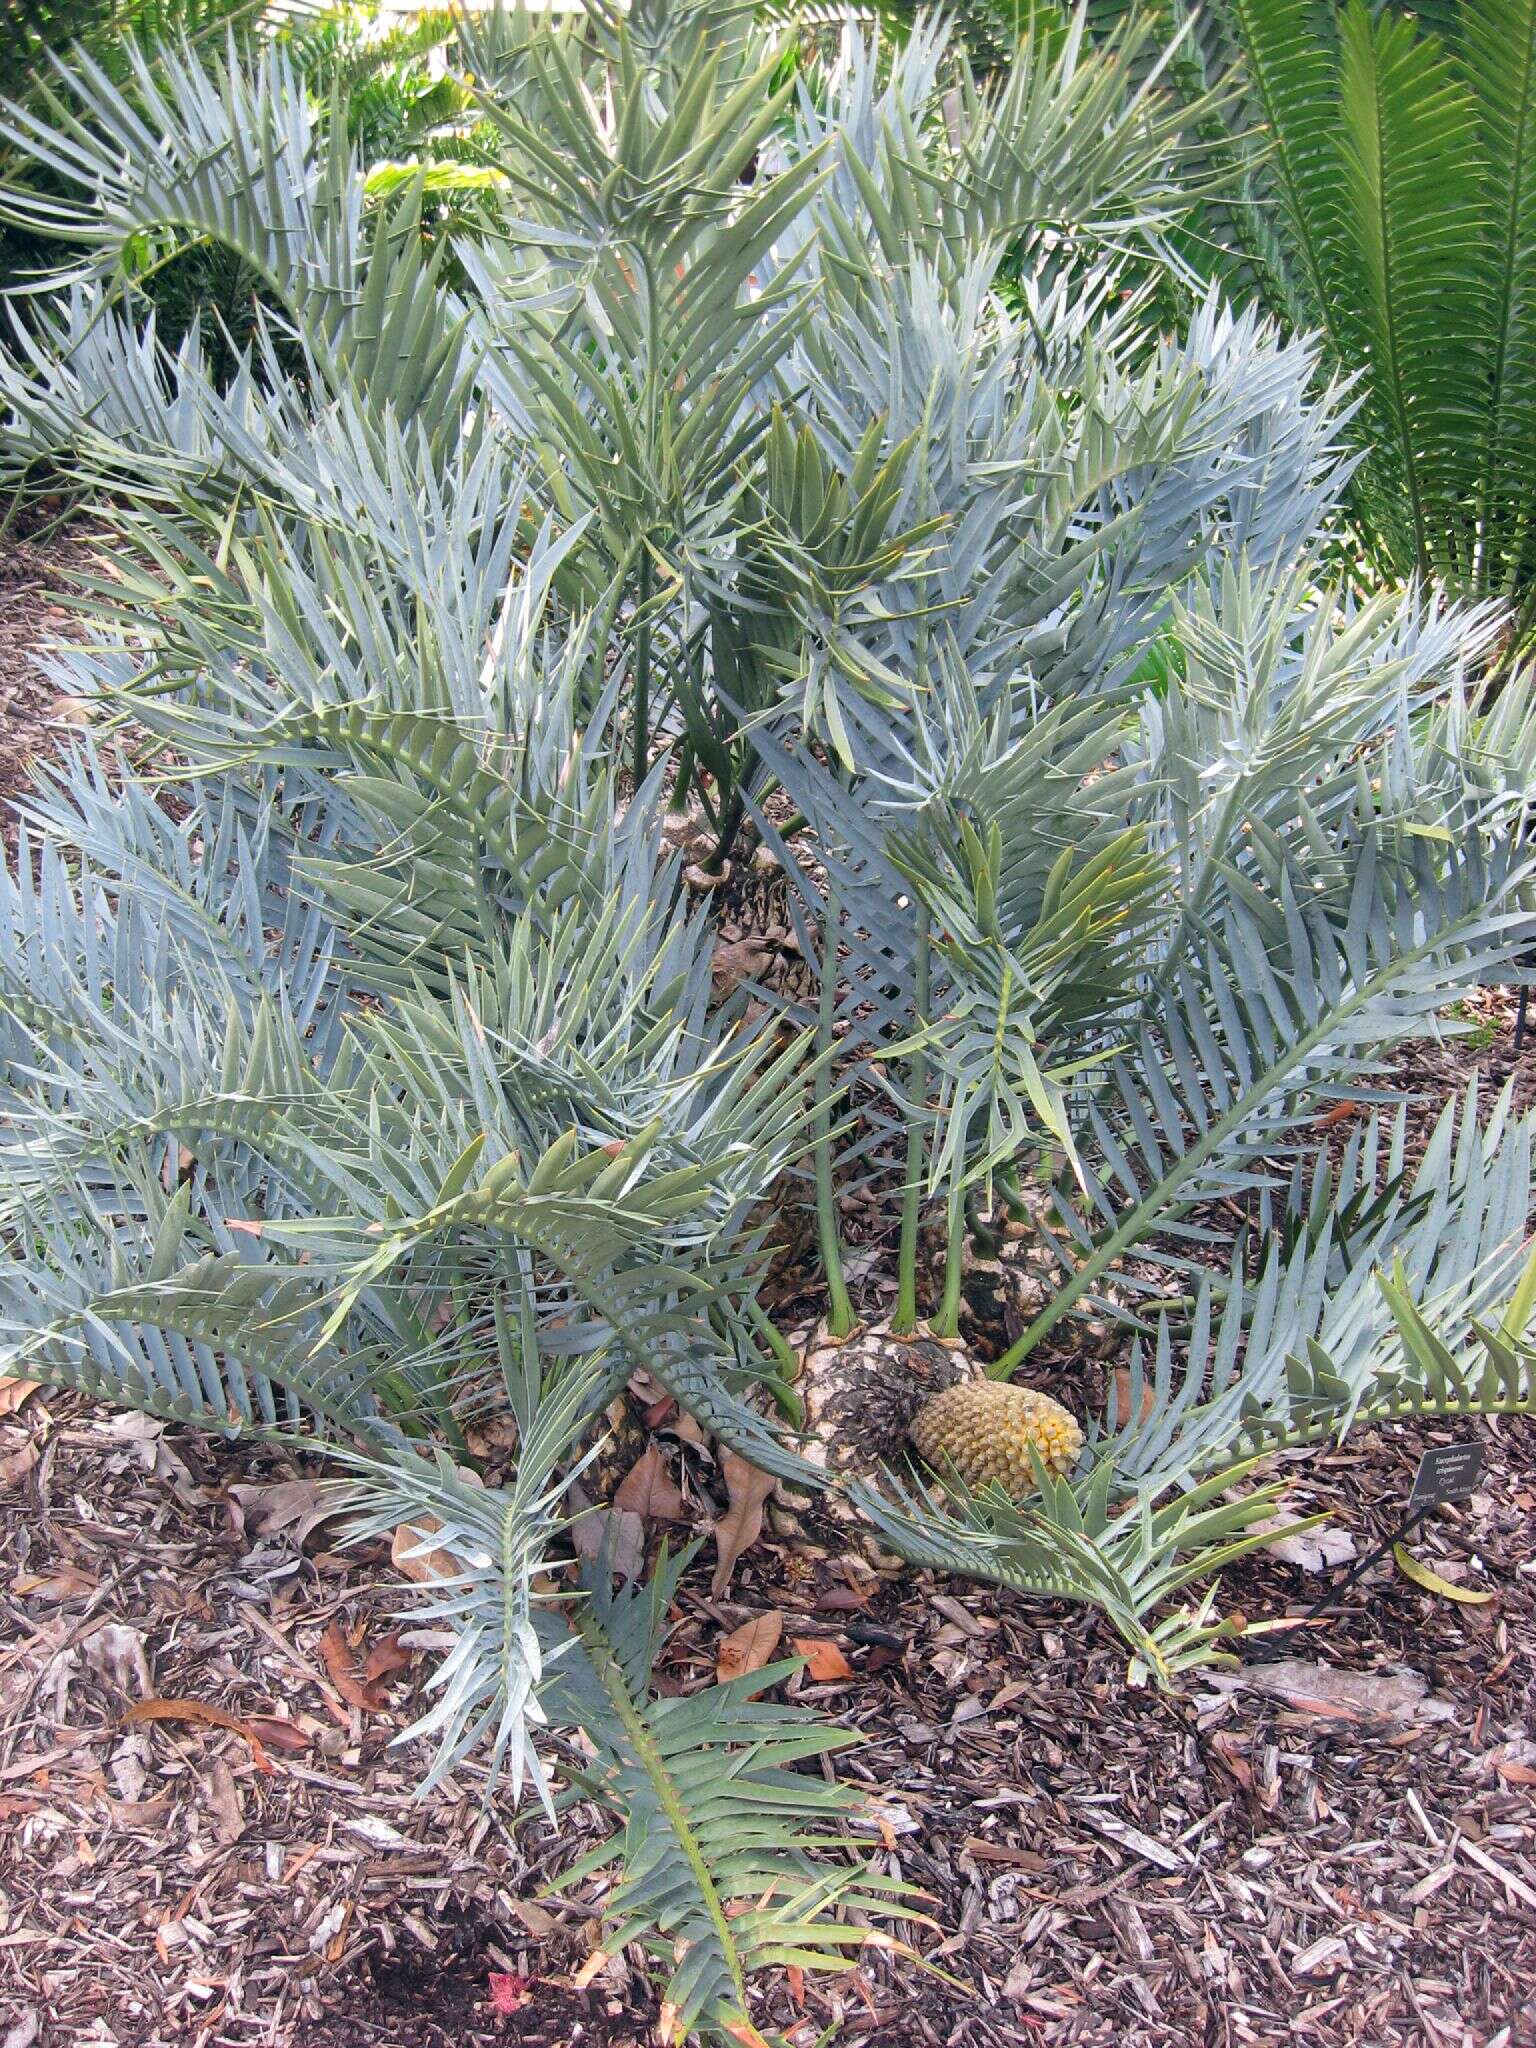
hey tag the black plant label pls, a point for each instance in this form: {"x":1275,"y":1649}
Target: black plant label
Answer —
{"x":1448,"y":1472}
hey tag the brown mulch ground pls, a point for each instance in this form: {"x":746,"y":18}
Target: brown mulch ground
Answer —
{"x":32,"y":578}
{"x":1101,"y":1865}
{"x":1339,"y":1848}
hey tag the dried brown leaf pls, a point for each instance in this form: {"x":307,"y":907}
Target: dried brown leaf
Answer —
{"x":69,"y":1582}
{"x":647,"y":1488}
{"x":425,"y":1566}
{"x":114,"y":1653}
{"x":1340,"y":1113}
{"x":1345,"y":1695}
{"x":385,"y":1659}
{"x":749,"y":1647}
{"x":742,"y":1523}
{"x":620,"y":1530}
{"x":277,"y":1733}
{"x":199,"y":1710}
{"x":843,"y":1600}
{"x":14,"y":1392}
{"x":295,"y":1505}
{"x":342,"y":1672}
{"x":223,"y":1796}
{"x":538,"y":1922}
{"x":1316,"y":1549}
{"x":1120,"y":1405}
{"x":20,"y":1462}
{"x":410,"y":1552}
{"x":824,"y":1661}
{"x":739,"y":960}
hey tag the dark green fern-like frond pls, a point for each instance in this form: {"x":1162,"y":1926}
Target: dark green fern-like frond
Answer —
{"x":1402,"y":165}
{"x":1291,"y":71}
{"x":1497,"y":44}
{"x":1411,"y":212}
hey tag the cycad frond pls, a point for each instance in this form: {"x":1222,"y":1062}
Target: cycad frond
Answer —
{"x":1410,"y":187}
{"x":1402,"y":163}
{"x":720,"y":1830}
{"x":1159,"y":1501}
{"x":1292,"y":72}
{"x":1299,"y":1353}
{"x":1067,"y":1546}
{"x":1241,"y":1056}
{"x":213,"y":1341}
{"x":1497,"y":46}
{"x":199,"y":150}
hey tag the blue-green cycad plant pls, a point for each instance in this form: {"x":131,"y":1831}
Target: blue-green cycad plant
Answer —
{"x":366,"y":1070}
{"x":1114,"y":936}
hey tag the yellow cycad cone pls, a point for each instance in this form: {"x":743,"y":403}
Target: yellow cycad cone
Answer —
{"x":981,"y":1430}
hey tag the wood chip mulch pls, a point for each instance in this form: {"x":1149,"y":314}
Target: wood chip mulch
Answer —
{"x":1337,"y":1847}
{"x":33,"y":579}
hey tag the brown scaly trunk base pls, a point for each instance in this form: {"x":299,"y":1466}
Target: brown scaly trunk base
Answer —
{"x":1004,"y":1294}
{"x":1005,"y":1288}
{"x":861,"y":1393}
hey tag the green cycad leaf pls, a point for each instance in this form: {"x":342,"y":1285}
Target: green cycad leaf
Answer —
{"x":1403,"y":164}
{"x":1239,"y":1059}
{"x":1160,"y":1501}
{"x":719,"y":1827}
{"x":1012,"y":985}
{"x":213,"y":1341}
{"x":1066,"y":1547}
{"x":1309,"y":1344}
{"x":1411,"y":195}
{"x":217,"y":152}
{"x":621,"y":1243}
{"x":1292,"y":72}
{"x":92,"y":136}
{"x":449,"y":825}
{"x":480,"y":1549}
{"x":1069,"y":137}
{"x":1497,"y":50}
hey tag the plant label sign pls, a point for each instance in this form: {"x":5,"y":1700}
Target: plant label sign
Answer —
{"x":1448,"y":1472}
